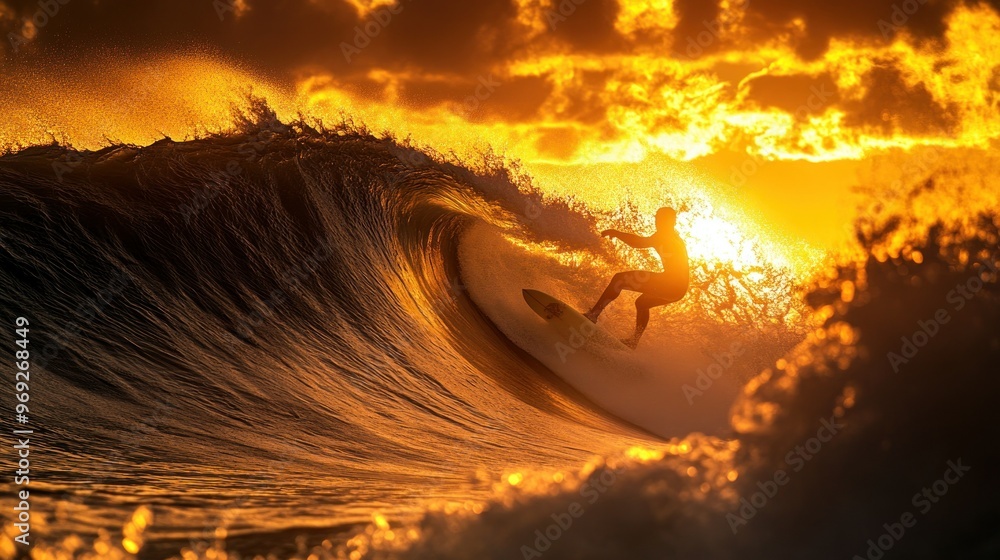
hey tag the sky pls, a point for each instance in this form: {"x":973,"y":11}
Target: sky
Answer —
{"x":776,"y":104}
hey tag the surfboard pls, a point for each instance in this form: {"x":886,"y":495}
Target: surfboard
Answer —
{"x":572,"y":327}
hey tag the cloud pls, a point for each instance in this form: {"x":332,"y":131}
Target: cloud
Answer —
{"x":800,"y":95}
{"x":855,"y":19}
{"x":892,"y":105}
{"x":585,"y":25}
{"x":676,"y":76}
{"x":456,"y":35}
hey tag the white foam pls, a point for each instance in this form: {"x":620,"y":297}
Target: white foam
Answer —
{"x":644,"y":387}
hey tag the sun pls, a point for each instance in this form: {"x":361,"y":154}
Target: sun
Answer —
{"x":711,"y":238}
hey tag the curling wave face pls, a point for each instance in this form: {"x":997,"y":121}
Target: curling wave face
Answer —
{"x":253,"y":341}
{"x":266,"y":322}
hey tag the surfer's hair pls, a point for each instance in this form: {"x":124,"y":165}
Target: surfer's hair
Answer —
{"x":666,"y":217}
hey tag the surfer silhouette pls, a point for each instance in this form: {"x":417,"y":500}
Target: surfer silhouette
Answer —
{"x":656,"y":288}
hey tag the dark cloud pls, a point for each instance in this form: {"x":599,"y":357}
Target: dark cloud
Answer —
{"x":514,"y":99}
{"x":865,"y":19}
{"x":488,"y":97}
{"x":876,"y":20}
{"x":799,"y":95}
{"x":273,"y":36}
{"x":457,"y":41}
{"x":447,"y":36}
{"x":697,"y":17}
{"x":458,"y":36}
{"x":585,"y":25}
{"x":441,"y":50}
{"x":282,"y":37}
{"x":891,"y":105}
{"x":584,"y":103}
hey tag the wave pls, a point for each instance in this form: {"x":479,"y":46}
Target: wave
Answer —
{"x":869,"y":438}
{"x":261,"y":337}
{"x":277,"y":303}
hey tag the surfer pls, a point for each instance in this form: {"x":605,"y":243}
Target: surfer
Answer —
{"x":656,"y":288}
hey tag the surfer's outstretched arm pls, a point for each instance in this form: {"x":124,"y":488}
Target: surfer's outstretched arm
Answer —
{"x":630,"y":239}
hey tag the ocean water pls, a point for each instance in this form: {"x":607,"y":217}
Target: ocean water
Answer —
{"x":300,"y":343}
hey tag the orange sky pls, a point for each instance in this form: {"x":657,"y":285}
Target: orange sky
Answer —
{"x":768,"y":105}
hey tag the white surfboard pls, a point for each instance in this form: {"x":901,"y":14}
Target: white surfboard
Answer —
{"x":573,"y":328}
